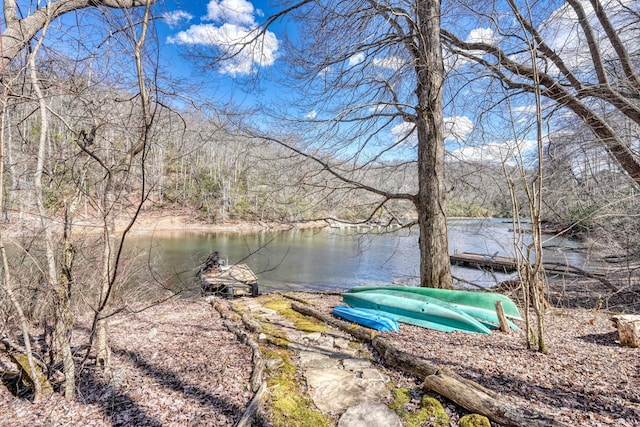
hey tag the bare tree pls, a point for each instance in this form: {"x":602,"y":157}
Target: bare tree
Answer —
{"x":116,"y":176}
{"x":579,"y":63}
{"x":19,"y":31}
{"x":371,"y":81}
{"x":589,"y":70}
{"x":7,"y":284}
{"x":18,"y":34}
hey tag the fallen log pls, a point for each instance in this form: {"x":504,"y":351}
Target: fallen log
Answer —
{"x":256,"y":355}
{"x":392,"y":356}
{"x":466,"y":393}
{"x":563,"y":268}
{"x":481,"y":403}
{"x":252,"y":410}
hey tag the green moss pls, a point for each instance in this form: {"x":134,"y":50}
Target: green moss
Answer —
{"x":435,"y":411}
{"x":474,"y":420}
{"x":23,"y":365}
{"x":290,"y":405}
{"x":401,"y":396}
{"x":431,"y":411}
{"x":301,"y":322}
{"x":275,"y":336}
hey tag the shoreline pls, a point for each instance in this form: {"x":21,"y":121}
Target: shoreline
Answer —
{"x":163,"y":221}
{"x":182,"y":223}
{"x":162,"y":370}
{"x":149,"y":223}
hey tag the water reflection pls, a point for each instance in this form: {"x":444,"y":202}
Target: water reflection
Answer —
{"x":331,"y":258}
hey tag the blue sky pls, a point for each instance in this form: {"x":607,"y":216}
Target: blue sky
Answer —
{"x":218,"y":24}
{"x":212,"y":26}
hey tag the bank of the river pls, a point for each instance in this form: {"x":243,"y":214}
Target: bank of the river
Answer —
{"x":170,"y":221}
{"x":177,"y":364}
{"x":155,"y":221}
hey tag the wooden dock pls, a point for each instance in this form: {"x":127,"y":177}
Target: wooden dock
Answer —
{"x":495,"y":263}
{"x":229,"y":281}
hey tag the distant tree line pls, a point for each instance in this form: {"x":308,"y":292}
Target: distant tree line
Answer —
{"x":196,"y":162}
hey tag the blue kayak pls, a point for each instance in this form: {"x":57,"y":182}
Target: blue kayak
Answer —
{"x":428,"y":312}
{"x":373,"y":319}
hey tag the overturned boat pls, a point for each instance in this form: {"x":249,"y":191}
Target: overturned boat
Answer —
{"x":426,"y":312}
{"x":479,"y":305}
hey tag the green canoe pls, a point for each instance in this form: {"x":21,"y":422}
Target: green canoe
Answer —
{"x":465,"y":300}
{"x":427,"y":313}
{"x":488,"y":317}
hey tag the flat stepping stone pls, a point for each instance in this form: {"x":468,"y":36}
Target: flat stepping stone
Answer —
{"x":334,"y":390}
{"x":369,"y":414}
{"x":338,"y":380}
{"x":315,"y":360}
{"x":356,"y":364}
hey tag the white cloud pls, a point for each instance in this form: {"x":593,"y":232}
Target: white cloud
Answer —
{"x":356,"y":59}
{"x":311,"y":115}
{"x":525,"y":109}
{"x":476,"y":35}
{"x":390,"y":62}
{"x":510,"y":152}
{"x":481,"y":35}
{"x":234,"y":32}
{"x":403,"y":129}
{"x":457,"y":127}
{"x":237,"y":12}
{"x":177,"y":17}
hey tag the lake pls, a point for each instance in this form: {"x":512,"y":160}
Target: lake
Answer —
{"x":335,"y":258}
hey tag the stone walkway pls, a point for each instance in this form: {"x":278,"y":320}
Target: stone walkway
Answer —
{"x":339,"y":381}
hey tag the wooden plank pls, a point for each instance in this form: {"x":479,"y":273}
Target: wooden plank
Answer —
{"x":484,"y":262}
{"x":232,"y":274}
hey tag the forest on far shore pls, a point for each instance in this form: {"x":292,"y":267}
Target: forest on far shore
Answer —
{"x":199,"y":163}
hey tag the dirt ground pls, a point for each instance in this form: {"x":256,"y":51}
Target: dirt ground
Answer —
{"x":176,"y":364}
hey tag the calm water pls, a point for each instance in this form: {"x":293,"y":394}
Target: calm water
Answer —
{"x":330,"y":258}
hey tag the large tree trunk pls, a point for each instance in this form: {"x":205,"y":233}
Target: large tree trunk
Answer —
{"x":435,"y":268}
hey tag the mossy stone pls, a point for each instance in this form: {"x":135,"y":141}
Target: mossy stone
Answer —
{"x":431,"y":410}
{"x":289,"y":404}
{"x":435,"y":412}
{"x":301,"y":322}
{"x":474,"y":420}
